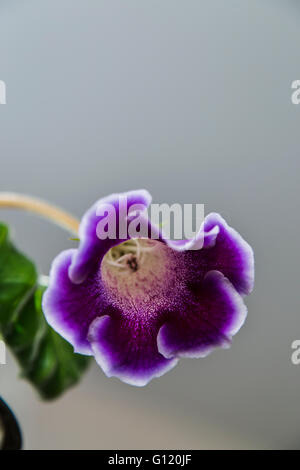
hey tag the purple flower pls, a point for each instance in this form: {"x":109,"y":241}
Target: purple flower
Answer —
{"x":138,"y":305}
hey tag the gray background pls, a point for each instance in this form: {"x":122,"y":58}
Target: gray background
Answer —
{"x":191,"y":100}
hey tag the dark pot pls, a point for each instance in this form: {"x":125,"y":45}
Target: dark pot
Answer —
{"x":9,"y":429}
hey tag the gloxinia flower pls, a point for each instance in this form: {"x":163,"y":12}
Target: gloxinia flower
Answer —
{"x":138,"y":305}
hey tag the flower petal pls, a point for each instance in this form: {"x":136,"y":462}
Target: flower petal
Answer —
{"x":92,"y":249}
{"x":70,"y":308}
{"x":127,"y":348}
{"x":226,"y":252}
{"x":212,"y":314}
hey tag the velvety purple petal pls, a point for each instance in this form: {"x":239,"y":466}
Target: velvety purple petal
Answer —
{"x":201,"y":240}
{"x":207,"y":318}
{"x":127,"y":348}
{"x":70,"y":308}
{"x":92,"y":249}
{"x":226,"y":252}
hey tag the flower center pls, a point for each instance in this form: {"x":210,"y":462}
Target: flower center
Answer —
{"x":140,"y":273}
{"x":129,"y":255}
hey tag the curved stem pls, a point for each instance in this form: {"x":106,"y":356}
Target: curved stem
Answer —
{"x":42,"y":208}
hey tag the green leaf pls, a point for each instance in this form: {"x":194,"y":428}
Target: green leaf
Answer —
{"x":45,"y":358}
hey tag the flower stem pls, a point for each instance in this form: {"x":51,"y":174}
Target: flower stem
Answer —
{"x":42,"y":208}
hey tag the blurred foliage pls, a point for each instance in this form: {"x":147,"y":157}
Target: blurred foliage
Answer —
{"x":46,"y":360}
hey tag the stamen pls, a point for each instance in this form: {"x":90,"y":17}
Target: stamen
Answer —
{"x":124,"y":257}
{"x":116,"y":264}
{"x":121,"y":256}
